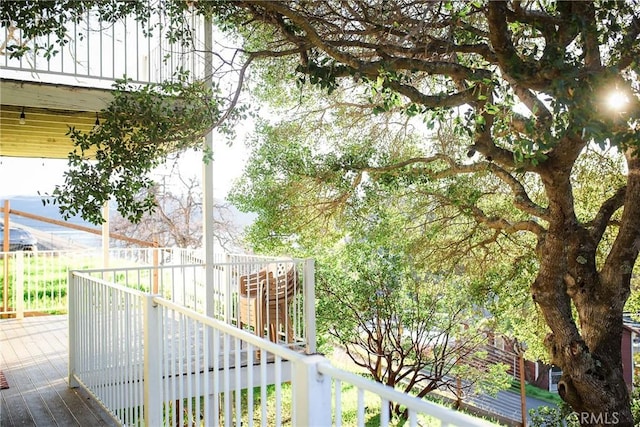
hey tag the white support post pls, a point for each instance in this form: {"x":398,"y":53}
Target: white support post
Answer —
{"x":207,"y":185}
{"x":73,"y":328}
{"x":311,"y":393}
{"x":19,"y":288}
{"x":208,"y":203}
{"x":209,"y":231}
{"x":310,"y":304}
{"x":228,"y":292}
{"x":152,"y":363}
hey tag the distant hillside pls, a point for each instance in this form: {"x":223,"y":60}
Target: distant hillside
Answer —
{"x":240,"y":218}
{"x":52,"y":236}
{"x":34,"y":205}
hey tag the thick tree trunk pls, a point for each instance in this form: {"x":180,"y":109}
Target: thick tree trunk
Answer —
{"x":592,"y":381}
{"x":590,"y":357}
{"x":588,"y":352}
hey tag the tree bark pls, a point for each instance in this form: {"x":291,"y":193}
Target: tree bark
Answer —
{"x":589,"y":351}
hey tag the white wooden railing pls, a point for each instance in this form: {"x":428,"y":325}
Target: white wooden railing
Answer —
{"x":96,"y":52}
{"x":185,"y":284}
{"x":150,"y":361}
{"x":36,"y":282}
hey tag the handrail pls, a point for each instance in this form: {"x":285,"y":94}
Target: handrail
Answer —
{"x":389,"y":394}
{"x":115,"y":286}
{"x":73,"y":226}
{"x":245,"y":336}
{"x":175,"y":355}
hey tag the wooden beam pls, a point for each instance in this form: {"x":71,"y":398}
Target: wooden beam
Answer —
{"x":80,"y":228}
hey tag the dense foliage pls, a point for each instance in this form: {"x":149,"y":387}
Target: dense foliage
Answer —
{"x":533,"y":183}
{"x":139,"y":129}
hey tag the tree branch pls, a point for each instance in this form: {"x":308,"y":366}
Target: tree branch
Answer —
{"x":510,"y":62}
{"x":533,"y":103}
{"x":599,"y":223}
{"x":521,"y":198}
{"x":586,"y":11}
{"x":503,"y":225}
{"x":626,"y":246}
{"x":443,"y":100}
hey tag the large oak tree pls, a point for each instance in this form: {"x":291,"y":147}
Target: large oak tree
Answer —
{"x":526,"y":81}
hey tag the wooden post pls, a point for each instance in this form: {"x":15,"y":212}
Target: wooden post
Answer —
{"x":520,"y":348}
{"x":458,"y":404}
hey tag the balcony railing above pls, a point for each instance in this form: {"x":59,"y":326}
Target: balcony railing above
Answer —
{"x":96,"y":53}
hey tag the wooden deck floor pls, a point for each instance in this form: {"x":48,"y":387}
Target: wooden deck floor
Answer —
{"x":33,"y":359}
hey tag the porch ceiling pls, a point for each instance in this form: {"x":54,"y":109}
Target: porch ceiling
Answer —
{"x":49,"y":111}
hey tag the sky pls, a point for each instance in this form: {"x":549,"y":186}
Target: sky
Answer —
{"x":28,"y":176}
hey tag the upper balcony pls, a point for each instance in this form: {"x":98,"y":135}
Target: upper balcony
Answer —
{"x":46,"y":90}
{"x":96,"y":53}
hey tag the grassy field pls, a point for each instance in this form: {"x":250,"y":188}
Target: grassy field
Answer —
{"x":538,"y":393}
{"x":43,"y":278}
{"x":348,"y":402}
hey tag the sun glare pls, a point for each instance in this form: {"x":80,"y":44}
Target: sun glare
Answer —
{"x":617,"y":100}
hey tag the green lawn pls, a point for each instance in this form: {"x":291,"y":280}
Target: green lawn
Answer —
{"x":44,"y":279}
{"x":538,"y":393}
{"x":348,"y":403}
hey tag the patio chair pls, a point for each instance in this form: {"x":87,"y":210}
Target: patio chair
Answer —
{"x":250,"y":301}
{"x":265,"y":299}
{"x":279,"y":295}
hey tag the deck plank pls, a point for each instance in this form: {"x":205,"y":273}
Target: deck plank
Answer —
{"x":33,"y":356}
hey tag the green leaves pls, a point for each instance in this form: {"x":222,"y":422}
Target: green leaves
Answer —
{"x":374,"y":299}
{"x":139,"y":129}
{"x":323,"y":74}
